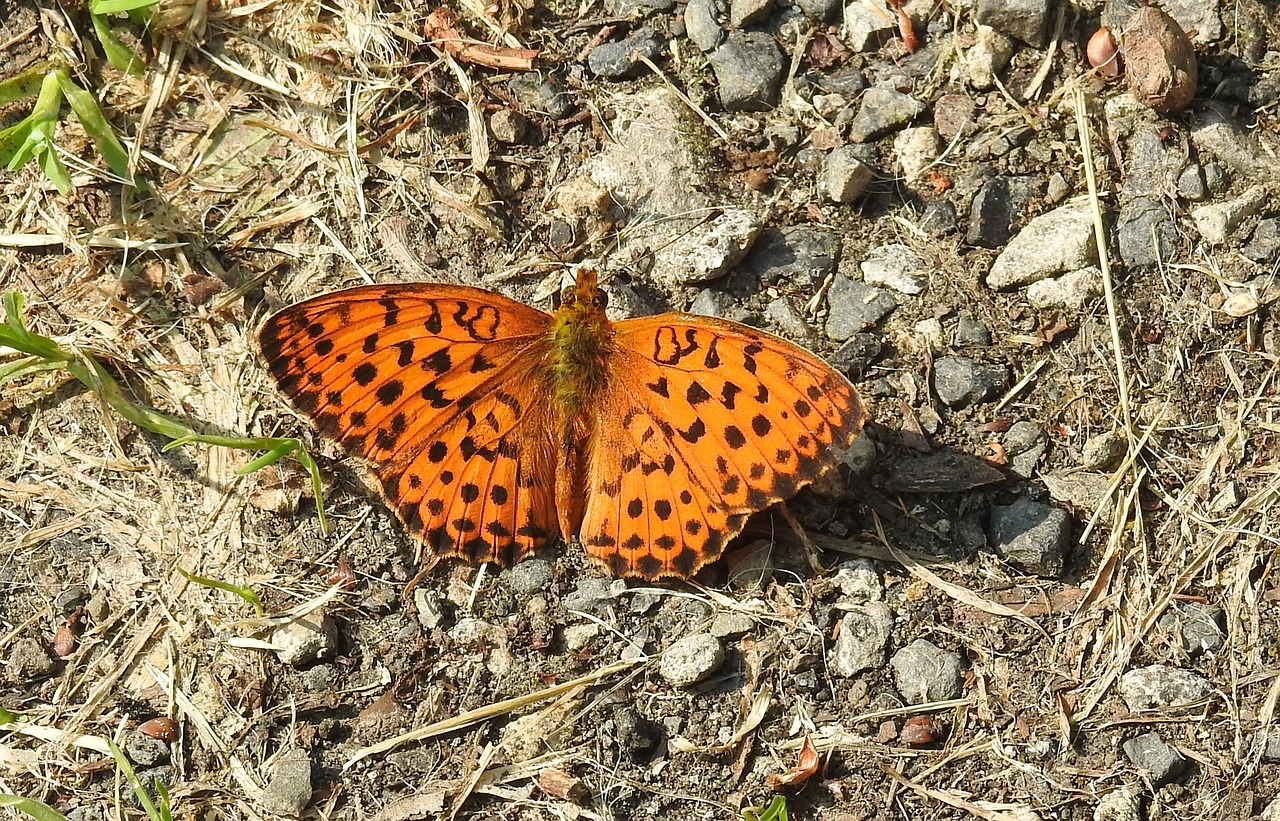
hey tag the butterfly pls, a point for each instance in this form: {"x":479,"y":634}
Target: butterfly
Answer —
{"x":496,"y":428}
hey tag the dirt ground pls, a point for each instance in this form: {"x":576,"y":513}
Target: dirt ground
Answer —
{"x":292,"y":148}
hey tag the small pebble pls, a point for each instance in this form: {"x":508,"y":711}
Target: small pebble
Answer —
{"x":691,"y":659}
{"x":1150,"y":753}
{"x":923,"y":672}
{"x":507,"y":126}
{"x":960,"y":381}
{"x":896,"y":266}
{"x":288,"y":789}
{"x":748,"y":68}
{"x":854,"y":306}
{"x":1031,"y":536}
{"x":528,"y":576}
{"x":863,"y":638}
{"x":883,"y":111}
{"x":1028,"y":20}
{"x":845,"y":177}
{"x":702,"y":24}
{"x":619,"y":59}
{"x":1159,"y":686}
{"x":306,"y":640}
{"x":1051,"y":244}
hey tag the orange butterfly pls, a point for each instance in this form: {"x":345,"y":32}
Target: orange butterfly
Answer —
{"x":496,"y":428}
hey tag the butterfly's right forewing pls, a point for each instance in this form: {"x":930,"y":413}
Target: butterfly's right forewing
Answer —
{"x":437,"y":387}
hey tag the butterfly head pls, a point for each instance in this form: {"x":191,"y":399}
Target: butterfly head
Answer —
{"x":585,"y":297}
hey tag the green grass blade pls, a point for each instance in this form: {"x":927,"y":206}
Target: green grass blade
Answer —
{"x":26,"y":84}
{"x":119,"y":55}
{"x":139,"y":791}
{"x":243,"y":591}
{"x":32,"y":807}
{"x":95,"y":124}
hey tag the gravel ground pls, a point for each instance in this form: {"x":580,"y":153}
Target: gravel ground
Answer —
{"x":1046,"y":582}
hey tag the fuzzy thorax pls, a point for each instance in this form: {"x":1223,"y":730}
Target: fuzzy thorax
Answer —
{"x":581,"y":339}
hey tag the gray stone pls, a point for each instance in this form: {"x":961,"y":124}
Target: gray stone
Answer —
{"x":1026,"y":444}
{"x":939,"y":218}
{"x":1218,"y":221}
{"x":146,"y":751}
{"x":529,"y":576}
{"x":854,"y":307}
{"x":1150,"y":753}
{"x":707,"y":249}
{"x":1051,"y":244}
{"x":981,"y":63}
{"x":691,"y":659}
{"x":639,"y":9}
{"x":730,"y":625}
{"x":1270,"y":742}
{"x":867,"y":24}
{"x":1146,"y":233}
{"x":1083,"y":490}
{"x":743,"y":13}
{"x":883,"y":111}
{"x":858,"y":581}
{"x":543,"y":92}
{"x":1200,"y":20}
{"x":855,"y":356}
{"x":788,"y":319}
{"x":923,"y":672}
{"x":319,"y":679}
{"x":620,"y":59}
{"x":591,"y":595}
{"x":1031,"y":536}
{"x":801,"y":255}
{"x":1159,"y":686}
{"x":1104,"y":451}
{"x":1264,"y":244}
{"x":28,"y":660}
{"x":702,"y":24}
{"x":845,"y":177}
{"x":960,"y":381}
{"x":1191,"y":184}
{"x":970,"y":331}
{"x":863,"y":639}
{"x":820,"y":10}
{"x":1118,"y":805}
{"x":896,"y":266}
{"x":1073,"y":291}
{"x":1200,"y":628}
{"x":748,"y":69}
{"x":710,"y":302}
{"x":998,"y":209}
{"x":846,"y":80}
{"x":306,"y":640}
{"x":288,"y":789}
{"x":1028,"y":20}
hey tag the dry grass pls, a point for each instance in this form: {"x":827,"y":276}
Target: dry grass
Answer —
{"x":292,"y":148}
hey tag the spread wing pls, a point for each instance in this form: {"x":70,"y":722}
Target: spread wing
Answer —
{"x":704,"y":422}
{"x":438,"y":388}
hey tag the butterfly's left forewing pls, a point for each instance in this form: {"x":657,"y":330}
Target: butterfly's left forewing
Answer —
{"x":704,"y":422}
{"x":434,"y":386}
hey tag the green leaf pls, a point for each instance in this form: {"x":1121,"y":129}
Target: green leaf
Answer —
{"x":242,"y":591}
{"x":32,"y":807}
{"x":95,"y":124}
{"x":7,"y":717}
{"x":117,"y":6}
{"x":139,"y":791}
{"x":119,"y":55}
{"x":26,"y":84}
{"x":776,"y":811}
